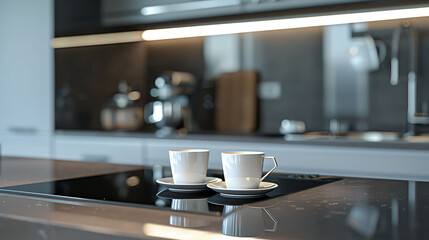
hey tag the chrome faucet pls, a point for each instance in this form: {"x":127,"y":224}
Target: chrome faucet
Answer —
{"x":412,"y":116}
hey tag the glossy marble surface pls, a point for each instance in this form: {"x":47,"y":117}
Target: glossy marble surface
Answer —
{"x":345,"y":209}
{"x":14,"y":171}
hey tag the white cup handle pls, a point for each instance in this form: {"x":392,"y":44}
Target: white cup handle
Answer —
{"x":275,"y":166}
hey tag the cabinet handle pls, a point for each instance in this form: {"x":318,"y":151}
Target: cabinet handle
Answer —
{"x":25,"y":130}
{"x":95,"y":158}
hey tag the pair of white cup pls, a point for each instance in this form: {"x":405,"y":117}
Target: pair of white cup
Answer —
{"x":242,"y":170}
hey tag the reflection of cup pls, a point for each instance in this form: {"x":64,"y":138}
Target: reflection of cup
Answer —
{"x":363,"y":219}
{"x":189,"y":166}
{"x":193,"y":205}
{"x":243,"y":170}
{"x":246,"y":222}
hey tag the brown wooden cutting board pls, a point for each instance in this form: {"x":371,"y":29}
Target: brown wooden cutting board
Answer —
{"x":237,"y":102}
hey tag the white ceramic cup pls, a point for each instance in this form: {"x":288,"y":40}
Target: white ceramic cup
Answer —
{"x":243,"y":170}
{"x":189,"y":165}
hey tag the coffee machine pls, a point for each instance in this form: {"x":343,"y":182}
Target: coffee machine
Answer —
{"x":171,"y":111}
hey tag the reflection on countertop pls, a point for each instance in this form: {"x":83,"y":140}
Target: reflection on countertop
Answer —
{"x":352,"y":139}
{"x":346,"y":209}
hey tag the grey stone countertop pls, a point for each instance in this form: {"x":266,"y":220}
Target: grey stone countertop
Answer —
{"x":350,"y":208}
{"x":418,"y":144}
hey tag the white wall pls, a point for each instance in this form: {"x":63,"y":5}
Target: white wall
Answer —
{"x":26,"y":76}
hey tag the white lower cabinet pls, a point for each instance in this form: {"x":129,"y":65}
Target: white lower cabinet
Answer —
{"x":99,"y":149}
{"x":23,"y":145}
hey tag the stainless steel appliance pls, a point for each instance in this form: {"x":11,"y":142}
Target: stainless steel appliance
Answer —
{"x":171,"y":111}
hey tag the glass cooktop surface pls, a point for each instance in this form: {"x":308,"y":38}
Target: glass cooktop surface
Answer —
{"x":138,"y":188}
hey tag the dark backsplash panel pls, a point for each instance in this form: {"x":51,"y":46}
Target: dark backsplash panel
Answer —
{"x":388,"y":104}
{"x":292,"y":57}
{"x":91,"y":76}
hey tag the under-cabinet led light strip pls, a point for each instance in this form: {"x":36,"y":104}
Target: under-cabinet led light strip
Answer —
{"x":290,"y":23}
{"x":240,"y":27}
{"x":97,"y":39}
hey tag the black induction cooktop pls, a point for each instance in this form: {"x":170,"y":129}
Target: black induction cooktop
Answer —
{"x":138,"y":188}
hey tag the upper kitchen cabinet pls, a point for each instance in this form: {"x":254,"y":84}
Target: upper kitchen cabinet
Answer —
{"x":128,"y":12}
{"x":26,"y":76}
{"x":115,"y":13}
{"x":82,"y":17}
{"x":77,"y":17}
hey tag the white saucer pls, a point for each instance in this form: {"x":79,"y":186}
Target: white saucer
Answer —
{"x":264,"y":187}
{"x":192,"y":187}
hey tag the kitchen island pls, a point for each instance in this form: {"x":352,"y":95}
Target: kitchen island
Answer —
{"x":349,"y":208}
